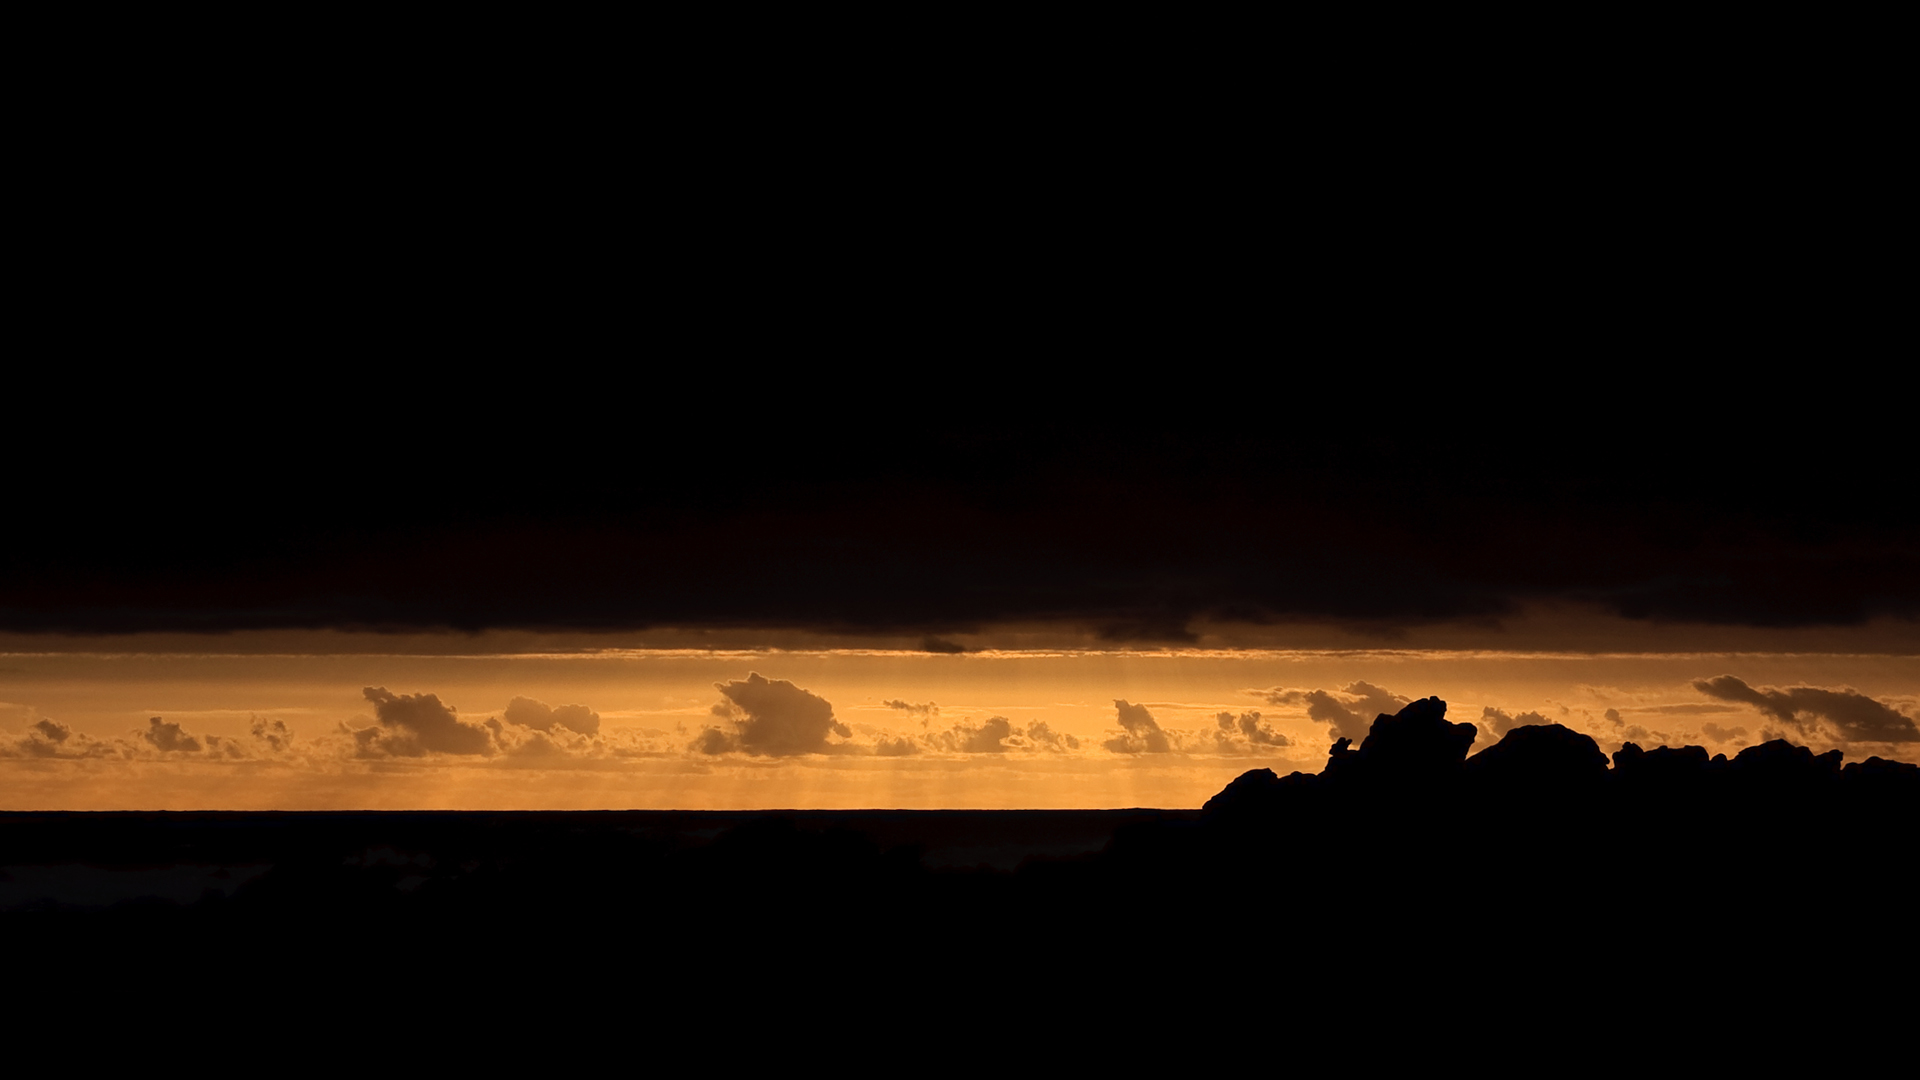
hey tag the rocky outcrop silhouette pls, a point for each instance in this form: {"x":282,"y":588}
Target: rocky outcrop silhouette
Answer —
{"x":1415,"y":745}
{"x":1540,"y":755}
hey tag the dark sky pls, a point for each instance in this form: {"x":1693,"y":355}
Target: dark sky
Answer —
{"x":1130,"y":494}
{"x":1122,"y":369}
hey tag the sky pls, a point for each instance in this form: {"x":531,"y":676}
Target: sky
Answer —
{"x":966,"y":588}
{"x":1082,"y":458}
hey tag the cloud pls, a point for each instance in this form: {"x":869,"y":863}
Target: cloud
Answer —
{"x":924,"y":712}
{"x":1042,"y":515}
{"x":770,"y":717}
{"x":168,"y":737}
{"x":412,"y":725}
{"x":1349,"y":712}
{"x":1856,"y":717}
{"x":1720,"y":734}
{"x":888,"y":746}
{"x":44,"y":739}
{"x":1143,"y":734}
{"x":273,"y":734}
{"x":536,"y":745}
{"x":1498,"y":722}
{"x":541,"y":717}
{"x":1251,"y":728}
{"x":995,"y":735}
{"x":1041,"y":737}
{"x":988,"y":738}
{"x":47,"y":738}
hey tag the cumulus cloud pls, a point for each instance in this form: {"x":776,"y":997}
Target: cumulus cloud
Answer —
{"x":994,"y":735}
{"x":168,"y":737}
{"x":1497,"y":722}
{"x":770,"y":717}
{"x":1143,"y":734}
{"x":1720,"y":734}
{"x":1623,"y":733}
{"x":44,"y":739}
{"x":988,"y":737}
{"x":889,"y":746}
{"x":48,"y":738}
{"x":1250,"y":728}
{"x":1855,"y":716}
{"x":1349,"y":713}
{"x":272,"y":734}
{"x":412,"y":725}
{"x":1039,"y":736}
{"x":540,"y":716}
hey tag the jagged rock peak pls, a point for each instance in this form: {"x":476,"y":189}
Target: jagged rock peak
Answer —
{"x":1417,"y":738}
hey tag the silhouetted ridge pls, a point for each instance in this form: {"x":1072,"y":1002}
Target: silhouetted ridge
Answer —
{"x":1779,"y":761}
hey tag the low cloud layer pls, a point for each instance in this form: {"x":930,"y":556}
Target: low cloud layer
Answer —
{"x":994,"y":735}
{"x":159,"y":740}
{"x":1854,"y":716}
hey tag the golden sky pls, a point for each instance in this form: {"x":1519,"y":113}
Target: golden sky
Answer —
{"x":325,"y":720}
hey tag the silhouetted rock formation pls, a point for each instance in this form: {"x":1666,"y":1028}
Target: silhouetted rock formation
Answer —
{"x":1416,"y":744}
{"x":1540,"y":755}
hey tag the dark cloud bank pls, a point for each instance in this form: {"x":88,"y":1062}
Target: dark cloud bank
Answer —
{"x":1132,"y":515}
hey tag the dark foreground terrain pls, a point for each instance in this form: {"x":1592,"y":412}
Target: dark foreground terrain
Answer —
{"x":1532,"y":880}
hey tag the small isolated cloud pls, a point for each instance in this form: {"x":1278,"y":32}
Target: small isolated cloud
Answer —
{"x":412,"y":725}
{"x":1143,"y":734}
{"x":1856,"y":717}
{"x":1497,"y":722}
{"x":770,"y":717}
{"x":1349,"y":713}
{"x":1250,"y":727}
{"x":1720,"y":734}
{"x":539,"y":716}
{"x":922,"y":713}
{"x":988,"y":737}
{"x":168,"y":737}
